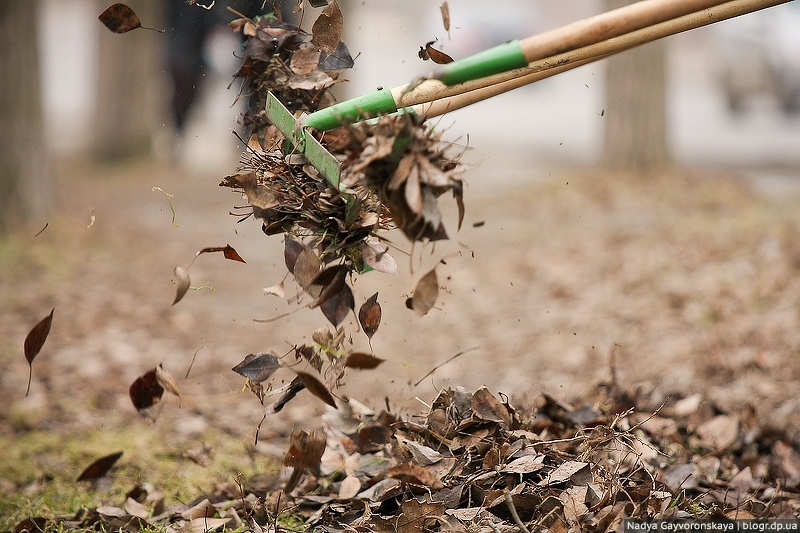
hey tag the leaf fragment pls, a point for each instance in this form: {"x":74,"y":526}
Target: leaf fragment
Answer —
{"x":100,"y":467}
{"x":183,"y":282}
{"x":34,"y":342}
{"x":445,"y":9}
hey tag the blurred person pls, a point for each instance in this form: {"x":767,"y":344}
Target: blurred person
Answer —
{"x":191,"y":29}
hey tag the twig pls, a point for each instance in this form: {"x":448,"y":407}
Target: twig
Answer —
{"x":514,"y":514}
{"x":437,"y":367}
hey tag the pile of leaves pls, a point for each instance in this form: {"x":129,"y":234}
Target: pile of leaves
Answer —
{"x":475,"y":462}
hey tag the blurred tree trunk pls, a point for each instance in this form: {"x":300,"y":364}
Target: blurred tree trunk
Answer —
{"x":130,"y":96}
{"x":635,"y":125}
{"x":26,"y":186}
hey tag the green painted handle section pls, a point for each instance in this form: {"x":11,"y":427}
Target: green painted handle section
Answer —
{"x":365,"y":106}
{"x":495,"y":60}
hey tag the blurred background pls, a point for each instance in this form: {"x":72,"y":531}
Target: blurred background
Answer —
{"x":732,"y":90}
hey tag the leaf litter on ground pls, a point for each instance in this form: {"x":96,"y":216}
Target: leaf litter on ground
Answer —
{"x":474,"y":460}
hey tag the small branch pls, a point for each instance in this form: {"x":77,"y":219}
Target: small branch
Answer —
{"x":514,"y":514}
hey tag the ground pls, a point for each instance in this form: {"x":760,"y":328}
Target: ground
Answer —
{"x":680,"y":281}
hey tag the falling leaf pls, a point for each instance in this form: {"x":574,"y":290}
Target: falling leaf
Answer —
{"x":377,"y":258}
{"x":41,"y":230}
{"x":167,"y":381}
{"x":425,"y":293}
{"x":34,"y":342}
{"x":146,"y":391}
{"x":327,"y":29}
{"x":362,"y":361}
{"x":100,"y":467}
{"x":257,"y":367}
{"x":92,"y":218}
{"x":120,"y":18}
{"x":183,"y":282}
{"x":369,"y":315}
{"x":445,"y":9}
{"x":227,"y":251}
{"x":316,"y":388}
{"x":291,"y":391}
{"x":337,"y":307}
{"x":437,"y":56}
{"x":304,"y":453}
{"x":278,"y":289}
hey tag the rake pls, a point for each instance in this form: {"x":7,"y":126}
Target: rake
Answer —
{"x":505,"y":67}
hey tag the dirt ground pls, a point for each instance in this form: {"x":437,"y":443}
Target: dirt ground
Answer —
{"x":685,"y":281}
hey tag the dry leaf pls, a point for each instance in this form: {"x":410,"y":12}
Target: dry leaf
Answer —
{"x":167,"y":381}
{"x":120,"y":18}
{"x":437,"y":56}
{"x":316,"y":388}
{"x":183,"y":282}
{"x":362,"y":361}
{"x":445,"y":9}
{"x":425,"y":293}
{"x":227,"y":251}
{"x":327,"y":29}
{"x":369,"y":315}
{"x":100,"y":467}
{"x":258,"y":367}
{"x":145,"y":391}
{"x":278,"y":290}
{"x":416,"y":475}
{"x":34,"y":342}
{"x":305,"y":61}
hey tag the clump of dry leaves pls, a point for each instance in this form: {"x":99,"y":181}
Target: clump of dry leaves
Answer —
{"x":475,"y":462}
{"x":392,"y":172}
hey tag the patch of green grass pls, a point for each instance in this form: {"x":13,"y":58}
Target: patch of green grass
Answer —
{"x":38,"y":469}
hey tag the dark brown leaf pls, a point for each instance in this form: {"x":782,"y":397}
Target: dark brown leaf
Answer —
{"x":120,"y":18}
{"x":316,"y":388}
{"x":146,"y":391}
{"x":34,"y":342}
{"x":437,"y":56}
{"x":362,"y":361}
{"x":327,"y":29}
{"x":257,"y":367}
{"x":487,"y":407}
{"x":425,"y":293}
{"x":100,"y":467}
{"x":227,"y":251}
{"x":291,"y":252}
{"x":369,"y":315}
{"x":183,"y":282}
{"x":337,"y":308}
{"x":291,"y":391}
{"x":305,"y":449}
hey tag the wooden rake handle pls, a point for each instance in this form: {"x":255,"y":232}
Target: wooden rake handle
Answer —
{"x":470,"y":92}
